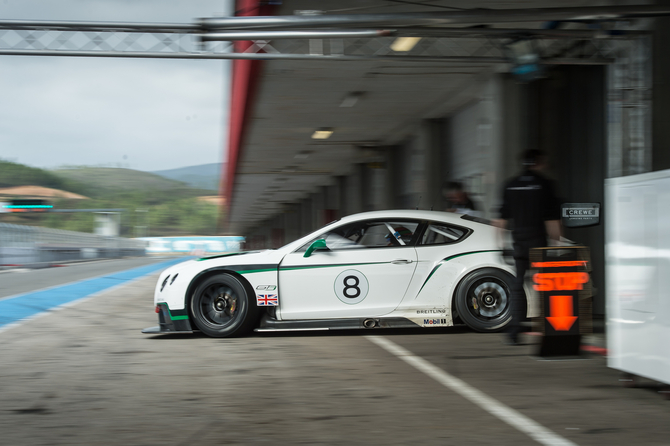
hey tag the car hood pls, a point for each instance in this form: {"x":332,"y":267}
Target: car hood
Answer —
{"x":247,"y":260}
{"x":265,"y":257}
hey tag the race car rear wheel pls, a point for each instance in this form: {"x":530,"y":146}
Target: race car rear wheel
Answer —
{"x":482,"y":299}
{"x":221,"y":307}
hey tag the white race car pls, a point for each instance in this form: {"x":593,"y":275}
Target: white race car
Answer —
{"x":383,"y":269}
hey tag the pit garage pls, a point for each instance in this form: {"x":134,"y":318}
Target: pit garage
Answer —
{"x":325,"y":127}
{"x":337,"y":117}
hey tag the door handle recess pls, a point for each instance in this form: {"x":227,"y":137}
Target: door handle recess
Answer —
{"x":401,"y":261}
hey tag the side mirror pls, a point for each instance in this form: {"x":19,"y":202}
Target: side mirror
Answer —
{"x":319,"y":244}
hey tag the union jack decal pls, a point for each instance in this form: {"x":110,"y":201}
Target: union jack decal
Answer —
{"x":265,"y":300}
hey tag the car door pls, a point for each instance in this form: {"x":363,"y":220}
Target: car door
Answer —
{"x":438,"y":242}
{"x":364,"y":272}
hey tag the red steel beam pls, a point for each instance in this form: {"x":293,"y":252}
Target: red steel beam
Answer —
{"x":245,"y":74}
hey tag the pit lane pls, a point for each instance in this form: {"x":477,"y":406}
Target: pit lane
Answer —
{"x":86,"y":375}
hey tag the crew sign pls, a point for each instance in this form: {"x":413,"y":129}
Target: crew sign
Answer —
{"x":579,"y":215}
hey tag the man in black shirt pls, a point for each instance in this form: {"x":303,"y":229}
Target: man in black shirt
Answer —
{"x":458,"y":200}
{"x":530,"y":204}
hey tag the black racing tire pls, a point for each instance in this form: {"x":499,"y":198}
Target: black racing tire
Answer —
{"x":482,"y":299}
{"x":222,"y":307}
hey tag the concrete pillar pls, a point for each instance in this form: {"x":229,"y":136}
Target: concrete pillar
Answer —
{"x":406,"y":196}
{"x":346,"y":196}
{"x":490,"y":139}
{"x":305,"y":215}
{"x":379,"y":182}
{"x":340,"y":196}
{"x":258,"y":237}
{"x":331,"y":203}
{"x":393,"y":178}
{"x":514,"y":130}
{"x":265,"y":231}
{"x":318,"y":206}
{"x":354,"y":195}
{"x":417,"y":167}
{"x":367,"y":184}
{"x":470,"y":142}
{"x":277,"y":231}
{"x":434,"y":175}
{"x":446,"y":160}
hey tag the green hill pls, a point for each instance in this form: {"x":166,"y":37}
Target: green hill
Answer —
{"x":105,"y":181}
{"x":203,"y":176}
{"x":170,"y":206}
{"x":14,"y":174}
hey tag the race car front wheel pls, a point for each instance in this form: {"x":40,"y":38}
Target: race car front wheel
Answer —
{"x":221,"y":307}
{"x":483,"y":298}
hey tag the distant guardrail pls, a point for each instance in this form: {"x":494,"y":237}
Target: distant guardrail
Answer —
{"x":195,"y":245}
{"x":34,"y":245}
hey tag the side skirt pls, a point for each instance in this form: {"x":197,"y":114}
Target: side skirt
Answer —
{"x":159,"y":329}
{"x":270,"y":324}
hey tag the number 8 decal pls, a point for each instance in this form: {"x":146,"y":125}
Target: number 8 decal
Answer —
{"x":348,"y":286}
{"x":351,"y":286}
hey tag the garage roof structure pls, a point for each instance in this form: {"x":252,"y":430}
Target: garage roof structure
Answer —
{"x":368,"y":95}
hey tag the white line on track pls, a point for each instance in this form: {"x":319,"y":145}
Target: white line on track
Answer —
{"x":510,"y":416}
{"x":14,"y":270}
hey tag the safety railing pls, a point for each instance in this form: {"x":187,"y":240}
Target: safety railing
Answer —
{"x":28,"y":245}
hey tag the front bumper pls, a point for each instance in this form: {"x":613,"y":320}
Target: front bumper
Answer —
{"x":176,"y":321}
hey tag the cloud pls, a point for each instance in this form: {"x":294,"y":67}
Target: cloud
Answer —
{"x":159,"y":113}
{"x":175,"y":11}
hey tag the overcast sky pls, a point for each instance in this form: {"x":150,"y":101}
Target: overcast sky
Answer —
{"x":146,"y":114}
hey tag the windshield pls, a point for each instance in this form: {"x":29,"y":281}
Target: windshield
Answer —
{"x":311,"y":232}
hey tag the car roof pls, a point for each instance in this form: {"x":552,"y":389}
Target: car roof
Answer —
{"x":406,"y":213}
{"x":415,"y":214}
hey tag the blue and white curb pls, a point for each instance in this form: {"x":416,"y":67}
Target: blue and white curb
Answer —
{"x":17,"y":309}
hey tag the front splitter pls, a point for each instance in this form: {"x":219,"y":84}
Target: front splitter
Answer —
{"x":161,"y":330}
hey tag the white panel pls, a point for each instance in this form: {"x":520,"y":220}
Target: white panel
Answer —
{"x":638,"y":263}
{"x":466,"y":152}
{"x":474,"y":146}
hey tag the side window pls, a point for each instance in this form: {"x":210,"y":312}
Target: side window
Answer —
{"x":369,"y":234}
{"x":440,"y":233}
{"x":404,"y":231}
{"x":374,"y":235}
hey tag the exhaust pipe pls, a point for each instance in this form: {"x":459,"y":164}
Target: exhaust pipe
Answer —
{"x":370,"y":323}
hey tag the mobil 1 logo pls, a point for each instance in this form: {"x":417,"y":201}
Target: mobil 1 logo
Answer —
{"x":351,"y":286}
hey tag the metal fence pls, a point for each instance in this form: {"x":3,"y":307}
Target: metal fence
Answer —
{"x":31,"y":245}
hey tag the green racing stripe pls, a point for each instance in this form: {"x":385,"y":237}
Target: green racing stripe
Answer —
{"x":292,"y":268}
{"x":179,"y":315}
{"x":446,"y":259}
{"x":251,"y":271}
{"x":228,"y":254}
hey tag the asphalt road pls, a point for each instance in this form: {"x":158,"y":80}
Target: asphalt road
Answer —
{"x":16,"y":281}
{"x":85,"y":375}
